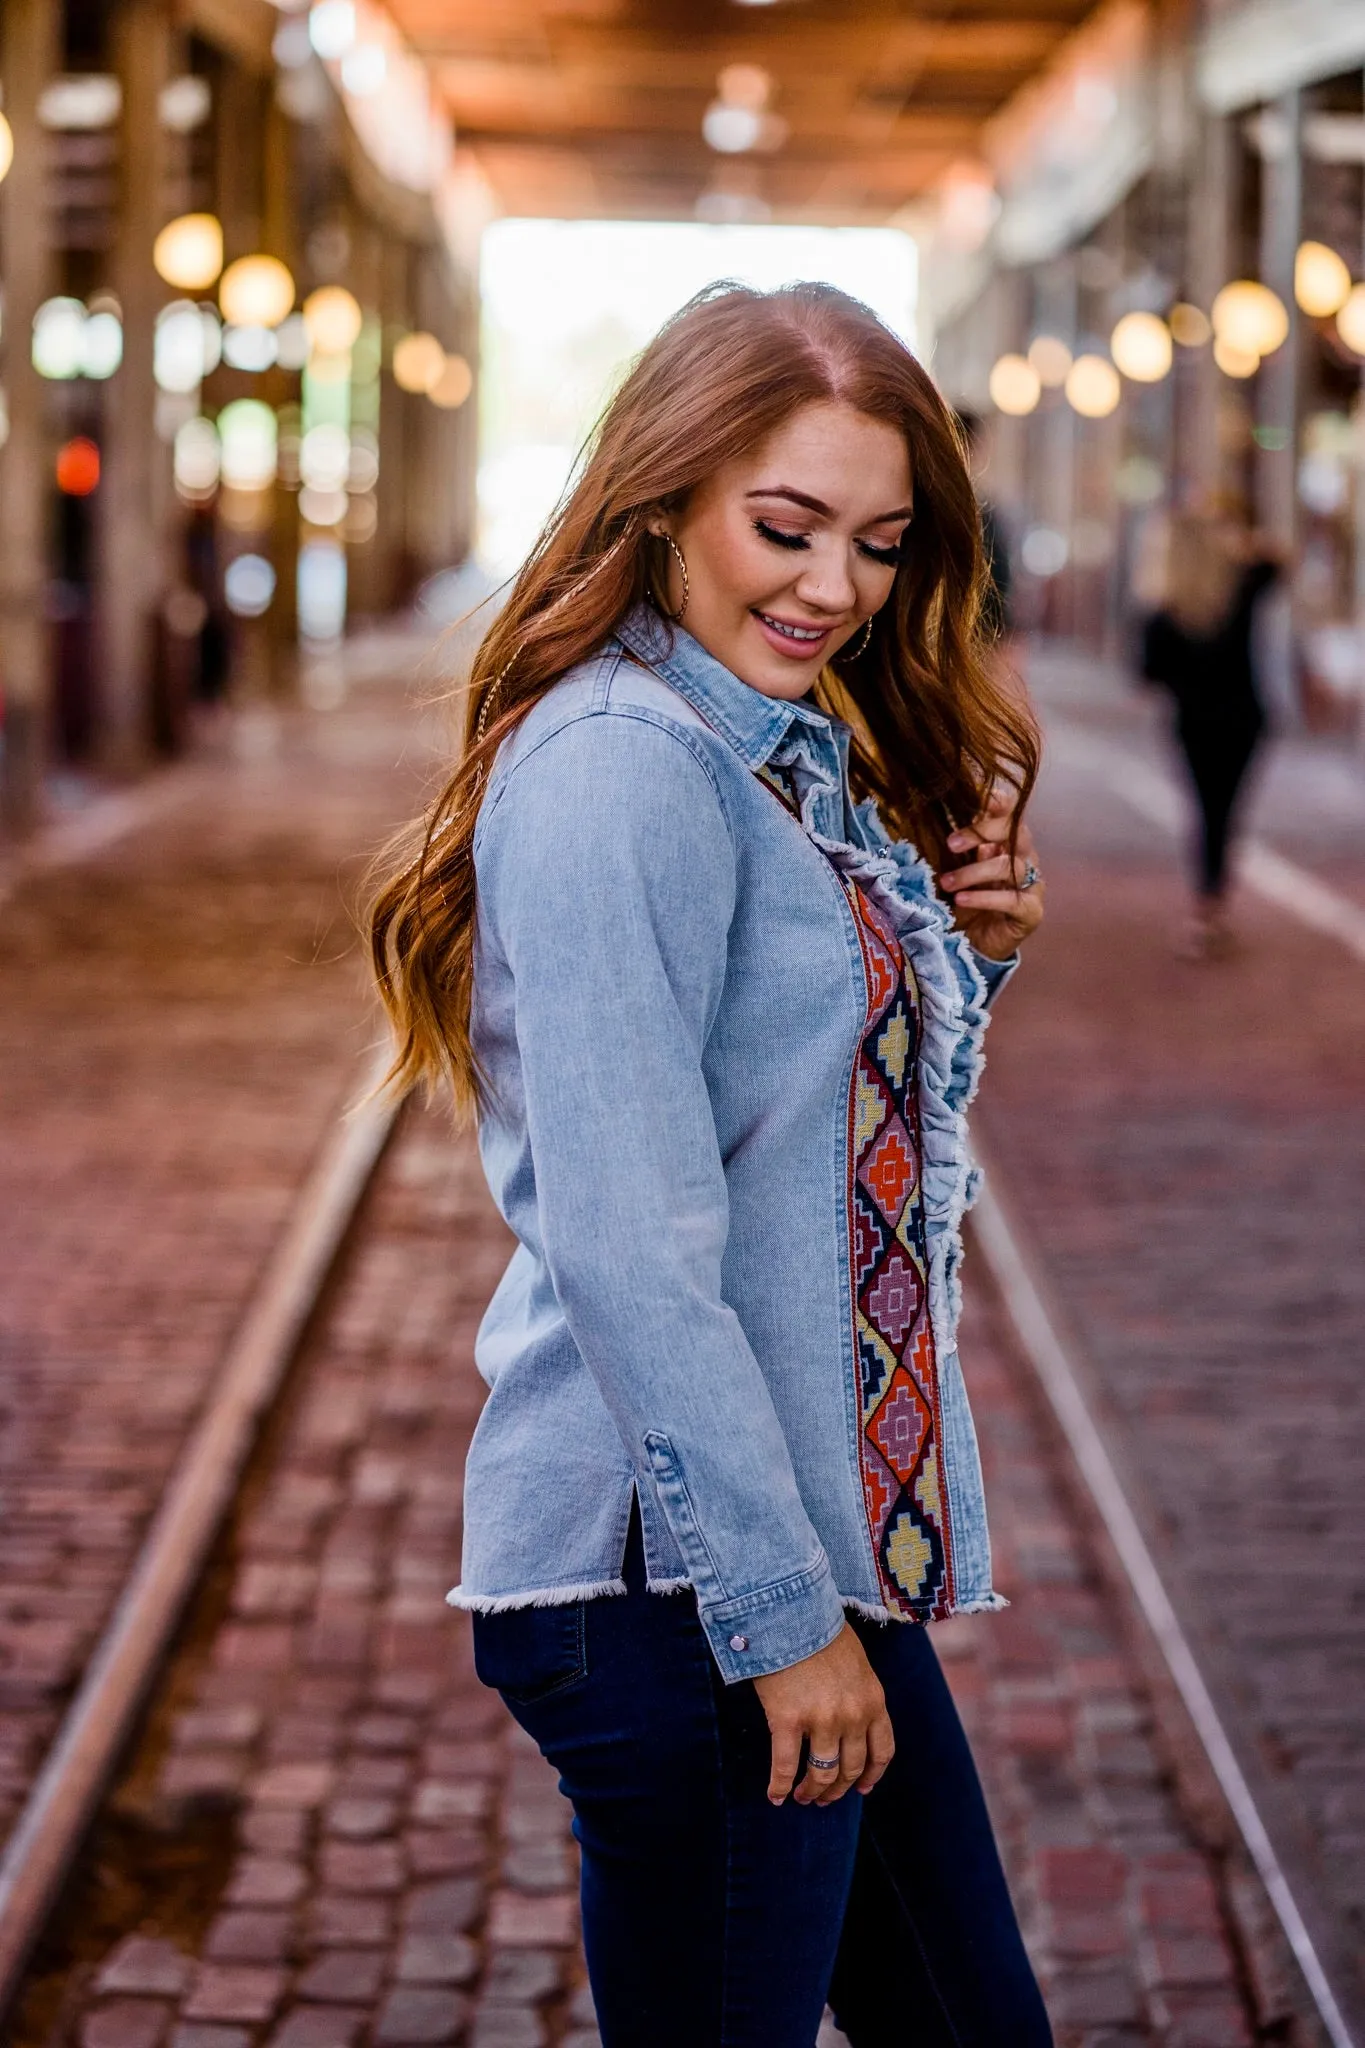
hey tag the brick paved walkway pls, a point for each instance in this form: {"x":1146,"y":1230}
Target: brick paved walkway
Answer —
{"x":331,"y":1837}
{"x":179,"y":1018}
{"x":1186,"y":1148}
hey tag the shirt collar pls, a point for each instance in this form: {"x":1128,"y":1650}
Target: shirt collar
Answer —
{"x":753,"y":724}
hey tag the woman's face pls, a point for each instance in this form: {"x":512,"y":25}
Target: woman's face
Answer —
{"x":792,"y":547}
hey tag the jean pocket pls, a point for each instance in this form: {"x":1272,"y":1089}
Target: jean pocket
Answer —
{"x":527,"y":1653}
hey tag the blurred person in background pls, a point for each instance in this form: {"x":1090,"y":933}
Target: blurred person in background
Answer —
{"x":706,"y":925}
{"x":1197,"y":644}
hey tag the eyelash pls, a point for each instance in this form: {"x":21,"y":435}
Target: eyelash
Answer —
{"x":888,"y":558}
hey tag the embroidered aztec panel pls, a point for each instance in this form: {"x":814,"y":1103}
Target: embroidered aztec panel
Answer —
{"x":905,"y":1490}
{"x":900,"y":1444}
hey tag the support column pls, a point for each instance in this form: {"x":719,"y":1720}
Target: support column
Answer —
{"x":1198,"y":448}
{"x":1277,"y":431}
{"x":132,"y":565}
{"x":28,"y":56}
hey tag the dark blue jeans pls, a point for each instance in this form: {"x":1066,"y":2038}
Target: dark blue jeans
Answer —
{"x":712,"y":1919}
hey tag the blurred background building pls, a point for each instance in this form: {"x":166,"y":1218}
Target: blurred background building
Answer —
{"x":240,"y":253}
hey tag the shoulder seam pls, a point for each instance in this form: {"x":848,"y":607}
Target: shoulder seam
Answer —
{"x":642,"y":716}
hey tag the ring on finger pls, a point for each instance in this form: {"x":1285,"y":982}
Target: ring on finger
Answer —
{"x":1030,"y":878}
{"x":822,"y":1763}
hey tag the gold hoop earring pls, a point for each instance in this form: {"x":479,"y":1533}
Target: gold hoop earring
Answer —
{"x":857,"y":653}
{"x":677,"y":616}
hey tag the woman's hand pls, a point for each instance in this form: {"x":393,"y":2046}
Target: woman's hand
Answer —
{"x":997,"y":901}
{"x":833,"y":1701}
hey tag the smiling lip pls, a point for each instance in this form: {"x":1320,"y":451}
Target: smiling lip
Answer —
{"x":797,"y":641}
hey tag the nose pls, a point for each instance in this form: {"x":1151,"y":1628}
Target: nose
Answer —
{"x":826,"y":581}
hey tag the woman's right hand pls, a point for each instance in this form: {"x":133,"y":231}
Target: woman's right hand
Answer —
{"x":834,"y":1702}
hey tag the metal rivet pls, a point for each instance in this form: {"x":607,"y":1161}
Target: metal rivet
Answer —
{"x":739,"y":1642}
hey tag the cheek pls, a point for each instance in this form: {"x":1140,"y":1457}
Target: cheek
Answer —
{"x":738,"y":565}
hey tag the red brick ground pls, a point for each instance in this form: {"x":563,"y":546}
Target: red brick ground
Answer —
{"x":380,"y":1858}
{"x":179,"y":1019}
{"x":1186,"y":1149}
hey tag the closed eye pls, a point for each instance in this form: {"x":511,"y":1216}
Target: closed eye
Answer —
{"x":889,"y":558}
{"x":778,"y":538}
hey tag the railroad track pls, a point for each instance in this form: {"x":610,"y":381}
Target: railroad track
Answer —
{"x":136,"y":1641}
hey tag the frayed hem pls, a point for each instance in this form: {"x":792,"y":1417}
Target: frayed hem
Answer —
{"x":668,"y":1585}
{"x":871,"y":1610}
{"x":539,"y":1596}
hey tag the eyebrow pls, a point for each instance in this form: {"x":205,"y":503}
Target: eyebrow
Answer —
{"x":822,"y":510}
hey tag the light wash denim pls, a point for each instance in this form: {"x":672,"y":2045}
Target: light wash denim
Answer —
{"x":669,"y":996}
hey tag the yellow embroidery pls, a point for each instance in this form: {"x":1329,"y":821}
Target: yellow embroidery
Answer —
{"x":907,"y":1555}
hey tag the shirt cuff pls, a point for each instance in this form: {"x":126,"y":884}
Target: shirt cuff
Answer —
{"x":776,"y":1626}
{"x":995,"y":973}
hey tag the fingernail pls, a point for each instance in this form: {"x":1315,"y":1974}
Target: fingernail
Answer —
{"x":957,"y":840}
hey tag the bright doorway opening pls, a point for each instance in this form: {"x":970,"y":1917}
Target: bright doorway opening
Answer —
{"x":568,"y":304}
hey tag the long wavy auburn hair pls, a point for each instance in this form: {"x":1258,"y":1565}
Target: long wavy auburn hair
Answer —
{"x":934,"y":732}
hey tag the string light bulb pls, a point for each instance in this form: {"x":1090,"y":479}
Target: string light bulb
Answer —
{"x":188,"y":253}
{"x":1015,"y":387}
{"x":333,"y":319}
{"x":1248,"y":316}
{"x":1141,"y":347}
{"x":1322,"y":283}
{"x":1351,"y":321}
{"x":1092,"y":387}
{"x":256,"y":291}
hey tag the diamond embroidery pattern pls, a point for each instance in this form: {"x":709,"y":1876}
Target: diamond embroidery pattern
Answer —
{"x":905,"y":1493}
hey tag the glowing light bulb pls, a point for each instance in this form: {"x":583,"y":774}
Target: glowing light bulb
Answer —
{"x":1015,"y":386}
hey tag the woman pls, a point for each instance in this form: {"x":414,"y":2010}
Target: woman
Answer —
{"x":1198,"y":646}
{"x":663,"y":929}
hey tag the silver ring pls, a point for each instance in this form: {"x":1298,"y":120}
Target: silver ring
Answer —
{"x":822,"y":1763}
{"x":1031,"y":878}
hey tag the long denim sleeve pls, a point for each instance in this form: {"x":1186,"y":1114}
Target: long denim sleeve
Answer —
{"x":607,"y":883}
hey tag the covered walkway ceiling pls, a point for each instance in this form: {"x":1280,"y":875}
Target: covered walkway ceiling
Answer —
{"x":594,"y":107}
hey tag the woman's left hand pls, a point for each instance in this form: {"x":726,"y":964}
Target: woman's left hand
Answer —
{"x":997,"y":901}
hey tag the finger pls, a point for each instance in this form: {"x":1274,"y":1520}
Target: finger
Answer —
{"x":1022,"y":906}
{"x":852,"y":1763}
{"x":786,"y":1758}
{"x":821,"y":1777}
{"x":998,"y":868}
{"x":881,"y":1747}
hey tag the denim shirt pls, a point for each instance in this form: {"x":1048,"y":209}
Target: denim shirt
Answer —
{"x":669,"y":999}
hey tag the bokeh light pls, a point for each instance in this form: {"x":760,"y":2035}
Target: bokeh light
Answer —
{"x":1015,"y":385}
{"x":333,"y":319}
{"x":59,"y":339}
{"x":454,"y":384}
{"x":1351,"y":321}
{"x":1092,"y":387}
{"x":1322,"y":283}
{"x":256,"y":291}
{"x":418,"y":360}
{"x":1051,"y":359}
{"x":1141,"y":347}
{"x":247,"y":431}
{"x":78,"y":467}
{"x":1190,"y":325}
{"x":1248,"y":316}
{"x":188,"y":253}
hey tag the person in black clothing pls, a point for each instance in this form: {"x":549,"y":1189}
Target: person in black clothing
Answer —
{"x":1198,"y":647}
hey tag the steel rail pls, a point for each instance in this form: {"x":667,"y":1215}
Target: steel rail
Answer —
{"x":1056,"y":1374}
{"x":175,"y":1549}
